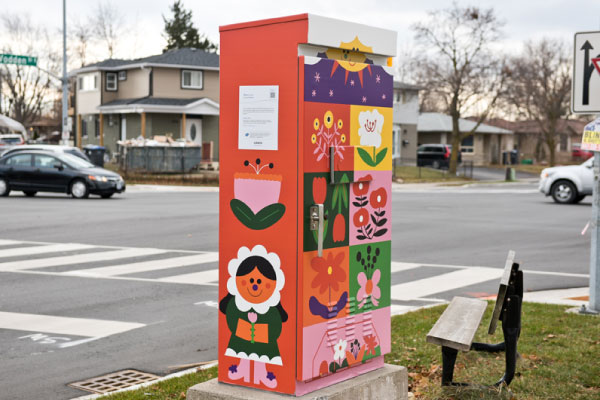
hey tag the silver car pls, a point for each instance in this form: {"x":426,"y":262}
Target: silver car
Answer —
{"x":568,"y":184}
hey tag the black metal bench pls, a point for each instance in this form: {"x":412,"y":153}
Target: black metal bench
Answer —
{"x":456,"y":327}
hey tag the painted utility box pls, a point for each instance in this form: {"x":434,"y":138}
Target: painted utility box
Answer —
{"x":305,"y":202}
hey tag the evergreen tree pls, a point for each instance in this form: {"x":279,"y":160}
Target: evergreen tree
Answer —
{"x":180,"y":31}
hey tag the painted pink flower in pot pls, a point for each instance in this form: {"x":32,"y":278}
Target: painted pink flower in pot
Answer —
{"x":368,"y":289}
{"x":256,"y":203}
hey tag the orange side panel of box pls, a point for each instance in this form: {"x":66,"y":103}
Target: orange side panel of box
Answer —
{"x":259,"y":218}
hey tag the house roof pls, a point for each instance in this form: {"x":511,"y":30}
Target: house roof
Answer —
{"x":406,"y":86}
{"x":158,"y":101}
{"x":200,"y":106}
{"x":175,"y":58}
{"x":438,"y":122}
{"x":572,"y":126}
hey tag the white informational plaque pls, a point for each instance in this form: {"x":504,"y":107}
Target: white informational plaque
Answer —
{"x":259,"y":109}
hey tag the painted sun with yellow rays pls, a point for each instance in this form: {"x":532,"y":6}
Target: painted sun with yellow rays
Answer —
{"x":351,"y":57}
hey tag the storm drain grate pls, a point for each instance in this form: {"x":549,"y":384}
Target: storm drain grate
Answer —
{"x":115,"y":381}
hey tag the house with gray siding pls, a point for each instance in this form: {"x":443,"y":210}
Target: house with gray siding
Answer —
{"x":406,"y":116}
{"x":175,"y":93}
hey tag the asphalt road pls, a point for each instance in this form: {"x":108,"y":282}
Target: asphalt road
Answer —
{"x":472,"y":226}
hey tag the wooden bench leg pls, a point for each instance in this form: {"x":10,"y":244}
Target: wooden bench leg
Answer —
{"x":448,"y":360}
{"x":511,"y":327}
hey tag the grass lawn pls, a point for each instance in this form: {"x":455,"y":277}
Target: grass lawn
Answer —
{"x":560,"y":359}
{"x":410,"y":174}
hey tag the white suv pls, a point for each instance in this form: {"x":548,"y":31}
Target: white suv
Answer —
{"x":568,"y":184}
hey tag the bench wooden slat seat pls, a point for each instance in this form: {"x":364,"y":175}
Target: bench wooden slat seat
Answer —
{"x":457,"y":326}
{"x":455,"y":329}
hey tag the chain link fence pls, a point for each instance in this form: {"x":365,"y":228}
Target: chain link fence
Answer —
{"x":167,"y":159}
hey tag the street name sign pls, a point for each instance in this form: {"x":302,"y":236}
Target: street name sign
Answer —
{"x":18,"y":60}
{"x":586,"y":73}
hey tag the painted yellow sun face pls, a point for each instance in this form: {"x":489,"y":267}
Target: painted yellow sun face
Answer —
{"x":350,"y":55}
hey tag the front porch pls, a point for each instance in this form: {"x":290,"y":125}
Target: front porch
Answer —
{"x":192,"y":120}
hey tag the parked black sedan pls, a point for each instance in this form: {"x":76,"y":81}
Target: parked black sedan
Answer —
{"x":45,"y":171}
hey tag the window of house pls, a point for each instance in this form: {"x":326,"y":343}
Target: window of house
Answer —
{"x":96,"y":127}
{"x":84,"y":132}
{"x":191,"y":79}
{"x":88,"y":82}
{"x":111,"y":82}
{"x":466,"y":146}
{"x":564,"y":139}
{"x":122,"y":75}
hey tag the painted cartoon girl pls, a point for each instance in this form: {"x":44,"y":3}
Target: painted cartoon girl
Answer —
{"x":254,"y":314}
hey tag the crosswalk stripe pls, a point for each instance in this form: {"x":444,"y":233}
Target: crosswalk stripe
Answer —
{"x":400,"y":266}
{"x":9,"y":242}
{"x":146,"y":266}
{"x":53,"y":248}
{"x":444,"y":282}
{"x":64,"y":325}
{"x":195,"y":278}
{"x":78,"y":259}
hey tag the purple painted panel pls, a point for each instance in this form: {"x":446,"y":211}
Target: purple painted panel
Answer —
{"x":328,"y":82}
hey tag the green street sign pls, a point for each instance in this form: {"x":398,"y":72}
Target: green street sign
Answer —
{"x":18,"y":60}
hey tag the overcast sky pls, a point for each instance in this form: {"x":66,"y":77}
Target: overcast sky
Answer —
{"x":525,"y":19}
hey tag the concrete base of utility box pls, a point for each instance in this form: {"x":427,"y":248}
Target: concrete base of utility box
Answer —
{"x":387,"y":383}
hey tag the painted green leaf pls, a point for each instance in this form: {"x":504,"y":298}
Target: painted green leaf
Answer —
{"x":261,"y":220}
{"x":243,"y":213}
{"x":335,"y":197}
{"x":268,"y":216}
{"x":366,"y":157}
{"x":345,"y":196}
{"x":381,"y":156}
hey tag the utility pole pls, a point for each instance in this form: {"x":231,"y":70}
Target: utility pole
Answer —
{"x":65,"y":83}
{"x":595,"y":253}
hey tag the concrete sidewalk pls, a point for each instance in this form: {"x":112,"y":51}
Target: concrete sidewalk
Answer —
{"x":568,"y":297}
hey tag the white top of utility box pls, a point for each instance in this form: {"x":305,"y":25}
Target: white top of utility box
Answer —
{"x":330,"y":32}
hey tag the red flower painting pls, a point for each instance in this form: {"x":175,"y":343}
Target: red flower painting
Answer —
{"x":329,"y":272}
{"x":319,"y":190}
{"x":361,"y":187}
{"x":378,"y":198}
{"x":361,"y":218}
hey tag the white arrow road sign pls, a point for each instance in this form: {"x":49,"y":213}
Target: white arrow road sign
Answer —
{"x":586,"y":73}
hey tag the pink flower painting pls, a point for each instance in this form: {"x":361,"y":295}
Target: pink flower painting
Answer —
{"x":368,"y":288}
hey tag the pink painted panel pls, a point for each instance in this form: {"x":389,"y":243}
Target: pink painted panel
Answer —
{"x":331,"y":347}
{"x":370,"y":207}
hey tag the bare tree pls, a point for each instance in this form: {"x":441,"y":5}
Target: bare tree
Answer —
{"x":108,"y":25}
{"x":539,"y":87}
{"x":80,"y":37}
{"x":29,"y":89}
{"x":457,"y":66}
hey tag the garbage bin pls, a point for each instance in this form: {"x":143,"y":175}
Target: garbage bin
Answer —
{"x":514,"y":157}
{"x":95,"y":154}
{"x":505,"y":157}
